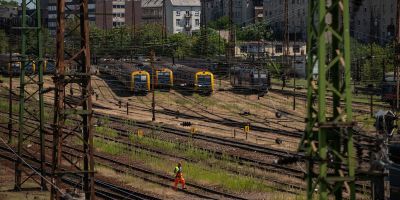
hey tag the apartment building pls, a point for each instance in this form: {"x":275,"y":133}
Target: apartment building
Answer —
{"x":243,"y":10}
{"x":152,"y":11}
{"x":183,"y":16}
{"x":373,"y":21}
{"x":297,"y":14}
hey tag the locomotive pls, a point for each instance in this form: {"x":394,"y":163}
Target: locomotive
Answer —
{"x":251,"y":79}
{"x":192,"y":79}
{"x":164,"y":78}
{"x":15,"y":66}
{"x":389,"y":89}
{"x":135,"y":79}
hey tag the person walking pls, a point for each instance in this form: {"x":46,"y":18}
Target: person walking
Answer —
{"x":179,"y":177}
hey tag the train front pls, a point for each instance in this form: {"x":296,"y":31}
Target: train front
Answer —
{"x":164,"y":79}
{"x":204,"y":82}
{"x":140,"y":82}
{"x":261,"y":82}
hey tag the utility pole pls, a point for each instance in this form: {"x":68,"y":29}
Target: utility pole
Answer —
{"x":30,"y":111}
{"x":153,"y":99}
{"x":397,"y":49}
{"x":231,"y":44}
{"x":294,"y":69}
{"x":10,"y":100}
{"x":164,"y":18}
{"x":328,"y":139}
{"x":286,"y":52}
{"x":79,"y":110}
{"x":204,"y":31}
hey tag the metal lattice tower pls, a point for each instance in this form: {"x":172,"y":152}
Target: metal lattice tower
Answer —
{"x":328,"y":139}
{"x":73,"y":70}
{"x":31,"y":104}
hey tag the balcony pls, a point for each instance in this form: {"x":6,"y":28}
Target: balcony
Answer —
{"x":188,"y":27}
{"x":188,"y":15}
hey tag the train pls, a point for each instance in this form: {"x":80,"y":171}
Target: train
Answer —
{"x":15,"y":66}
{"x":193,"y":79}
{"x":134,"y":78}
{"x":250,"y":79}
{"x":164,"y":77}
{"x":389,"y":88}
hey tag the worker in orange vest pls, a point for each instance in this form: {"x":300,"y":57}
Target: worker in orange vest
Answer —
{"x":179,"y":176}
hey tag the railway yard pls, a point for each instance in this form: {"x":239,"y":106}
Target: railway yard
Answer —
{"x":221,"y":161}
{"x":199,"y":99}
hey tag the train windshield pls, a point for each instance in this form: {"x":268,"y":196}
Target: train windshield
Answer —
{"x":140,"y":79}
{"x":204,"y":80}
{"x":163,"y":77}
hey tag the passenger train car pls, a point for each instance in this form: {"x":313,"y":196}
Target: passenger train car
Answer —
{"x":164,"y":77}
{"x":134,"y":78}
{"x":15,"y":66}
{"x":251,"y":79}
{"x":192,"y":79}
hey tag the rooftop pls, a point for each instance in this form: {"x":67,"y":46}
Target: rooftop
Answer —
{"x":152,"y":3}
{"x":186,"y":2}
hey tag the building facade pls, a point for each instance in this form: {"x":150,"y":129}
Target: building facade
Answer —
{"x":243,"y":10}
{"x":297,"y":15}
{"x":152,"y":11}
{"x":105,"y":14}
{"x":71,"y":6}
{"x":373,"y":21}
{"x":183,"y":16}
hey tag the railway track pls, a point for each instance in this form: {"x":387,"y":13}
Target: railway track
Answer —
{"x":164,"y":178}
{"x":103,"y":189}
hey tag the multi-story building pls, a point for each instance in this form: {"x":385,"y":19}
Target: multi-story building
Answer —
{"x":183,"y":16}
{"x":152,"y":11}
{"x":116,"y":13}
{"x":373,"y":21}
{"x":71,"y":6}
{"x":297,"y":16}
{"x":243,"y":11}
{"x":105,"y":14}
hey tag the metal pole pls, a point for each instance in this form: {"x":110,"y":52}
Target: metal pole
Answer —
{"x":294,"y":70}
{"x":153,"y":100}
{"x":397,"y":49}
{"x":10,"y":101}
{"x":329,"y":136}
{"x":40,"y":65}
{"x":21,"y":122}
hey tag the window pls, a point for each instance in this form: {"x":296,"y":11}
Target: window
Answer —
{"x":278,"y":49}
{"x":178,"y":21}
{"x":196,"y":13}
{"x":187,"y":12}
{"x":197,"y":22}
{"x":296,"y":49}
{"x":178,"y":13}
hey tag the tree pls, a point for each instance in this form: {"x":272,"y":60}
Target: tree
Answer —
{"x":254,"y":32}
{"x":220,"y":24}
{"x":368,"y":61}
{"x":10,"y":3}
{"x":180,"y":45}
{"x":215,"y":44}
{"x":3,"y":42}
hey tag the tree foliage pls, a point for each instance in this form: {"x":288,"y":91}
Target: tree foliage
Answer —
{"x":254,"y":32}
{"x":220,"y":24}
{"x":10,"y":3}
{"x":371,"y":61}
{"x":3,"y":42}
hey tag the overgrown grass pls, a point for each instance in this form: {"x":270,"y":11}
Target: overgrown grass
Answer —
{"x":201,"y":172}
{"x":109,"y":147}
{"x":109,"y":132}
